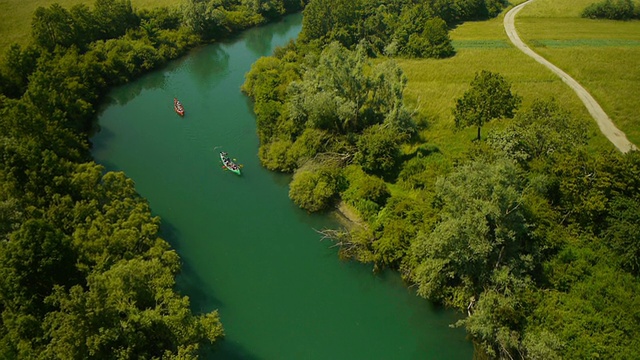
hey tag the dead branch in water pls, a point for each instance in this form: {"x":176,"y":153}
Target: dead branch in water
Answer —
{"x":341,"y":238}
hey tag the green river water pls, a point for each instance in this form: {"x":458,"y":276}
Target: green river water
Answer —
{"x":247,"y":249}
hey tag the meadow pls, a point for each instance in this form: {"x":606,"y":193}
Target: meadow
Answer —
{"x":16,"y":15}
{"x":602,"y":55}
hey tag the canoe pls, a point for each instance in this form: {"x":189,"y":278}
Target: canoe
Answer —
{"x":177,"y":106}
{"x":228,"y":164}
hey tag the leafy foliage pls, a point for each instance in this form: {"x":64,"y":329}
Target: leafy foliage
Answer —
{"x":489,"y":98}
{"x":612,"y":10}
{"x":340,"y":93}
{"x":539,"y":132}
{"x":368,"y":194}
{"x":314,"y":187}
{"x":379,"y":149}
{"x":213,"y":19}
{"x":482,"y":227}
{"x":623,"y":232}
{"x":84,"y":273}
{"x":394,"y":28}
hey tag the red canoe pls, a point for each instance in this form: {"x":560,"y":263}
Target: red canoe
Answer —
{"x":177,"y":106}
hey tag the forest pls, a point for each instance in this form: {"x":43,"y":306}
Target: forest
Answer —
{"x":530,"y":233}
{"x":84,"y":272}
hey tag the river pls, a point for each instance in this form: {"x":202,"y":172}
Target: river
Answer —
{"x":247,"y":250}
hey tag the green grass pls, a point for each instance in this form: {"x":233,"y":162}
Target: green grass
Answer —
{"x":611,"y":72}
{"x":16,"y":15}
{"x":603,"y":55}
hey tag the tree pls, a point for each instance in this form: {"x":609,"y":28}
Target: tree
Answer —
{"x":129,"y":311}
{"x":611,"y":9}
{"x":483,"y":226}
{"x":114,"y":17}
{"x":541,"y":131}
{"x":623,"y":234}
{"x":379,"y":149}
{"x":53,"y":26}
{"x":18,"y":64}
{"x":343,"y":92}
{"x":86,"y":29}
{"x":37,"y":257}
{"x":315,"y":186}
{"x":396,"y":227}
{"x":489,"y":98}
{"x":332,"y":20}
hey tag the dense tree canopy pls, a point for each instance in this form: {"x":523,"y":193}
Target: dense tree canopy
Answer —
{"x":394,"y":28}
{"x":341,"y":93}
{"x":84,"y":272}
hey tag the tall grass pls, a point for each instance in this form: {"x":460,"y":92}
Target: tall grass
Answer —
{"x":16,"y":15}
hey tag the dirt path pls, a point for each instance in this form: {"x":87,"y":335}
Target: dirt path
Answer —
{"x":617,"y":137}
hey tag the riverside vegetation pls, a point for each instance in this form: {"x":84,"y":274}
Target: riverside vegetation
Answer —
{"x":83,"y":271}
{"x":529,"y":231}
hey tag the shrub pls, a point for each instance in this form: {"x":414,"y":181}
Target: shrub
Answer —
{"x":611,"y":9}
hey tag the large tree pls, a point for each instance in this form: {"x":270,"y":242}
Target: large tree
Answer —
{"x":483,"y":227}
{"x":488,"y":98}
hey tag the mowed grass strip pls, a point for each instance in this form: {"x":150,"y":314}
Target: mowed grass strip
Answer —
{"x":602,"y":55}
{"x":16,"y":16}
{"x":434,"y":85}
{"x":585,"y":43}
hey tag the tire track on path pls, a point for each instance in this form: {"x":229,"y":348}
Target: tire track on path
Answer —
{"x":615,"y":135}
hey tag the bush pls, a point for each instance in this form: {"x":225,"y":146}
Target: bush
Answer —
{"x":366,"y":193}
{"x":612,"y":10}
{"x":314,"y":187}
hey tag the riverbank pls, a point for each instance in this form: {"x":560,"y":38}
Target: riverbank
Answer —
{"x":348,"y":216}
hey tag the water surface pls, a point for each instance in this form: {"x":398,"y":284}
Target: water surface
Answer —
{"x":247,"y":249}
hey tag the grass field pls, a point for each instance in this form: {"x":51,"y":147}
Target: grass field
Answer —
{"x":603,"y":55}
{"x":16,"y":15}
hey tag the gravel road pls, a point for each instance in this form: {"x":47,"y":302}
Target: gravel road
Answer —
{"x":617,"y":137}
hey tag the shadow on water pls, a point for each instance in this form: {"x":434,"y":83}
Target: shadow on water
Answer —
{"x":260,"y":42}
{"x":106,"y":136}
{"x":206,"y":69}
{"x":226,"y":350}
{"x":188,"y":281}
{"x":202,"y":301}
{"x":153,"y":80}
{"x":284,"y":25}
